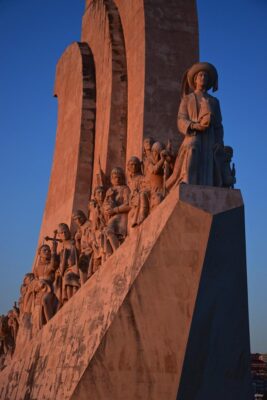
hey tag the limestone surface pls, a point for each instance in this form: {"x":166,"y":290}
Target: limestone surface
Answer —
{"x":168,"y":308}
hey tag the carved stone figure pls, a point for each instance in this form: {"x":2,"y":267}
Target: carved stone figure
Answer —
{"x":13,"y":321}
{"x":101,"y":247}
{"x":46,"y":263}
{"x":6,"y":339}
{"x":156,"y":174}
{"x":116,"y":208}
{"x":26,"y":295}
{"x":67,"y":280}
{"x":139,"y":198}
{"x":83,"y":241}
{"x":200,"y":121}
{"x":45,"y":302}
{"x":228,"y":171}
{"x":147,"y":154}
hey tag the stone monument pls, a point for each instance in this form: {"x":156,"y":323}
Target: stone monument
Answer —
{"x":138,"y":289}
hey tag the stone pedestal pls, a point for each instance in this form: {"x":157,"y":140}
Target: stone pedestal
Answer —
{"x":166,"y":316}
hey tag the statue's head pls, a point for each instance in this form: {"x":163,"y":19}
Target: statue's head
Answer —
{"x":148,"y":143}
{"x":117,"y":176}
{"x":79,"y":217}
{"x":156,"y":149}
{"x":99,"y":193}
{"x":200,"y":74}
{"x":28,"y":278}
{"x":228,"y":152}
{"x":44,"y":251}
{"x":63,"y":232}
{"x":134,"y":165}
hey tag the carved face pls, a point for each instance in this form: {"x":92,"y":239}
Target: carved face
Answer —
{"x":156,"y":149}
{"x":133,"y":165}
{"x":201,"y":80}
{"x":63,"y":232}
{"x":28,"y":278}
{"x":228,"y":153}
{"x":99,"y":194}
{"x":45,"y":252}
{"x":148,"y":143}
{"x":116,"y":178}
{"x":79,"y":219}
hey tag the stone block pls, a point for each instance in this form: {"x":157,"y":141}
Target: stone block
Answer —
{"x":166,"y":316}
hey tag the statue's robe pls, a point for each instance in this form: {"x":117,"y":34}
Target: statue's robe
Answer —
{"x":195,"y":160}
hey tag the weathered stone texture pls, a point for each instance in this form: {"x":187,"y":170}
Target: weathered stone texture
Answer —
{"x":160,"y":40}
{"x":71,"y":175}
{"x":126,"y":333}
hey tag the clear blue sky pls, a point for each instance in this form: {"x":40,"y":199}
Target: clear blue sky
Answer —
{"x":34,"y":34}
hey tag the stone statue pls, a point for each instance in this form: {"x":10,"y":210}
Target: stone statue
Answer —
{"x":45,"y":302}
{"x":83,"y":241}
{"x":116,"y":207}
{"x":147,"y":154}
{"x":46,"y":263}
{"x":101,"y":247}
{"x":200,"y":121}
{"x":139,"y":198}
{"x":13,"y":321}
{"x":156,"y":174}
{"x":26,"y":295}
{"x":6,"y":340}
{"x":228,"y":171}
{"x":67,"y":280}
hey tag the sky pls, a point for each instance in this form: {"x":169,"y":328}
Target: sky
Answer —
{"x":33,"y":36}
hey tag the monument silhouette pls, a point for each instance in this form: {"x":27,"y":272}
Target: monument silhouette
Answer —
{"x":152,"y":282}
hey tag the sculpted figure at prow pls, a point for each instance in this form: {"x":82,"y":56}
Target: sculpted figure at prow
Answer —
{"x":200,"y":121}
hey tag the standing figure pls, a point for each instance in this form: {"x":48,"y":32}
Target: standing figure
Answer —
{"x":116,"y":207}
{"x":45,"y":301}
{"x":67,"y":280}
{"x":228,"y":171}
{"x":101,"y":248}
{"x":13,"y":321}
{"x":6,"y":340}
{"x":139,"y":198}
{"x":200,"y":121}
{"x":147,"y":152}
{"x":83,"y":241}
{"x":155,"y":175}
{"x":26,"y":295}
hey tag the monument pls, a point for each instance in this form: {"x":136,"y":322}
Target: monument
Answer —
{"x":138,"y":289}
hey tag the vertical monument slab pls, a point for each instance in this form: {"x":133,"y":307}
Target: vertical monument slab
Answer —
{"x":159,"y":40}
{"x":71,"y":174}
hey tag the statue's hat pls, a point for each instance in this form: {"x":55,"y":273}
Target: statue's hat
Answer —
{"x":188,"y":81}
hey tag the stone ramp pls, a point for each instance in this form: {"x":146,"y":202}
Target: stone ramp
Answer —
{"x":124,"y":335}
{"x":196,"y":272}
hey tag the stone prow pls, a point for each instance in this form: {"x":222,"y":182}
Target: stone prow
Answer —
{"x":132,"y":321}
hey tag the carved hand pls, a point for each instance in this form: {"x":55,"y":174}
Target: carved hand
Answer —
{"x":197,"y":127}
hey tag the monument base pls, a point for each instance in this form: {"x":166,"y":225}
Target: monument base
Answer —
{"x":166,"y":317}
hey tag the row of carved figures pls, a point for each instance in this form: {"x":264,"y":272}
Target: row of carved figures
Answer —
{"x":62,"y":268}
{"x":202,"y":159}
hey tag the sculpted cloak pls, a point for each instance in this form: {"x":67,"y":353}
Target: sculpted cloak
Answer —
{"x":196,"y":162}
